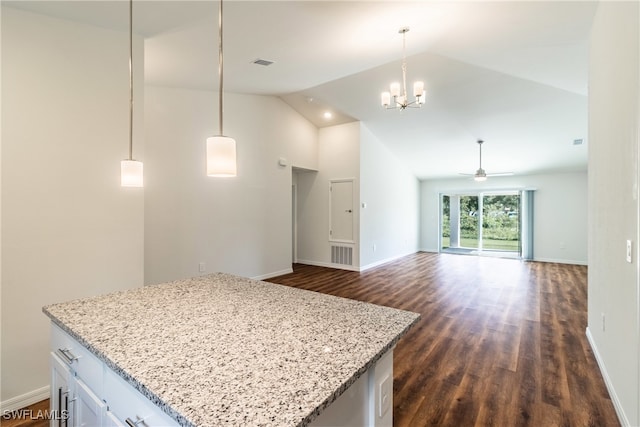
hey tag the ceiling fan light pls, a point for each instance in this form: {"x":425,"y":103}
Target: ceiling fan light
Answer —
{"x":221,"y":156}
{"x":480,"y":175}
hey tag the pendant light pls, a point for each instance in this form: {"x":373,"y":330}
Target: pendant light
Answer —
{"x":131,"y":170}
{"x":221,"y":150}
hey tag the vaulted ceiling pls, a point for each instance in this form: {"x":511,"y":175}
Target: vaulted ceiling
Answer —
{"x":511,"y":73}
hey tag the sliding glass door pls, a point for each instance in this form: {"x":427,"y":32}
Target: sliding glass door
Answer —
{"x":500,"y":222}
{"x":485,"y":223}
{"x":460,"y":229}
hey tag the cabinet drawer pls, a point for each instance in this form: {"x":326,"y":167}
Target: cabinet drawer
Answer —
{"x":79,"y":359}
{"x":125,"y":402}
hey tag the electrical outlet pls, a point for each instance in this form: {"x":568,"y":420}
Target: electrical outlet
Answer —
{"x":385,"y":395}
{"x":602,"y":315}
{"x":629,"y":250}
{"x":375,"y":247}
{"x":202,"y":267}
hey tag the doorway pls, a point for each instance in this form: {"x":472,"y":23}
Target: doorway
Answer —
{"x":485,"y":223}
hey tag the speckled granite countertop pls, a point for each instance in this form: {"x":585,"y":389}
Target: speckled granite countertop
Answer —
{"x":225,"y":350}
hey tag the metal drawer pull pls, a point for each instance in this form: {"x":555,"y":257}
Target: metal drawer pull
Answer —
{"x":67,"y":355}
{"x":132,"y":423}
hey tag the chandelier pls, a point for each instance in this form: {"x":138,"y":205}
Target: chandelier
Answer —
{"x":397,"y":95}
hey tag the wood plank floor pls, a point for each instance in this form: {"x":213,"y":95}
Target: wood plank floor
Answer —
{"x":31,"y":416}
{"x":501,"y":342}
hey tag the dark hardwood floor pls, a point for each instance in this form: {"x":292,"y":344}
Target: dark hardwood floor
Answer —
{"x":501,"y":342}
{"x":31,"y":416}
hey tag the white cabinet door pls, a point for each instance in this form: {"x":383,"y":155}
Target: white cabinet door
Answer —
{"x":61,"y":393}
{"x":110,"y":420}
{"x":90,"y":410}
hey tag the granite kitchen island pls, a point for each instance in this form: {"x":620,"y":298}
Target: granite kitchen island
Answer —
{"x":225,"y":350}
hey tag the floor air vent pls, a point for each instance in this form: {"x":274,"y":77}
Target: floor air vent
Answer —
{"x":342,"y":255}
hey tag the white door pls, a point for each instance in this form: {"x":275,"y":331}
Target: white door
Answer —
{"x":341,"y":222}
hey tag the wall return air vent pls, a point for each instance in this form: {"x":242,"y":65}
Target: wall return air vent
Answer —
{"x":341,"y":255}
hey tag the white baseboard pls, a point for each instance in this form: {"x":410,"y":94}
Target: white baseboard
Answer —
{"x":274,"y":274}
{"x":328,"y":264}
{"x":435,"y":251}
{"x":560,"y":261}
{"x":384,"y":261}
{"x":553,"y":260}
{"x":624,"y":421}
{"x":24,"y":400}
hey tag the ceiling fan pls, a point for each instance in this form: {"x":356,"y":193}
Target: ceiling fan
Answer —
{"x":481,"y":174}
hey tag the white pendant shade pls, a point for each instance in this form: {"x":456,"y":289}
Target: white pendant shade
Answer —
{"x":418,"y":89}
{"x":386,"y":99}
{"x":221,"y":156}
{"x":395,"y":89}
{"x":131,"y":173}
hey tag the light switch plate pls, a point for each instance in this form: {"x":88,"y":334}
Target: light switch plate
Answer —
{"x":629,"y":250}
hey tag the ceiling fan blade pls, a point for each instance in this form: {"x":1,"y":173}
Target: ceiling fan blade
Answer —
{"x":500,"y":174}
{"x":489,"y":174}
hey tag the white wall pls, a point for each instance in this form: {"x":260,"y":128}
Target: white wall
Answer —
{"x":614,"y":128}
{"x":239,"y":225}
{"x":390,"y":220}
{"x":560,"y":212}
{"x":68,"y":229}
{"x":338,"y":158}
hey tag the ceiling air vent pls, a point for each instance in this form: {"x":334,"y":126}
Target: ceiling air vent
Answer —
{"x":578,"y":141}
{"x":264,"y":62}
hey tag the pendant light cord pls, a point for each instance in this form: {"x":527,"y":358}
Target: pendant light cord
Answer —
{"x":220,"y":67}
{"x":130,"y":79}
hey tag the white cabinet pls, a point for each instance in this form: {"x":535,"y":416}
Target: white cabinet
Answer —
{"x":61,"y":392}
{"x":84,"y":392}
{"x":90,"y":409}
{"x":130,"y":406}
